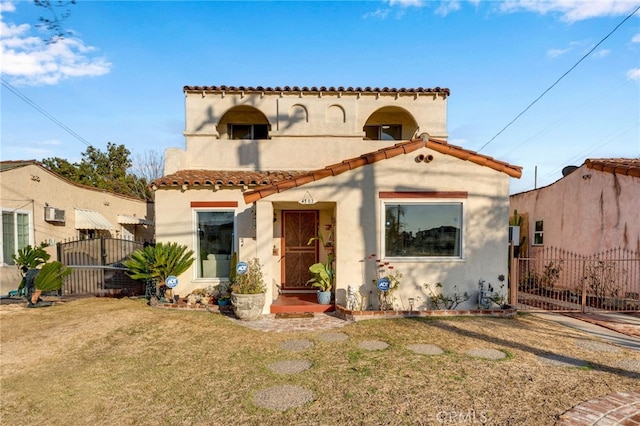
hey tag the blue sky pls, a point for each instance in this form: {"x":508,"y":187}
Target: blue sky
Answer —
{"x":119,"y":76}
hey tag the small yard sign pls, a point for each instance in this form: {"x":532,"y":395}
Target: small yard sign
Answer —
{"x":242,"y":268}
{"x":383,"y":284}
{"x":171,"y":281}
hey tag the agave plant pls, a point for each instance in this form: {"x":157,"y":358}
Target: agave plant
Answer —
{"x":156,"y":263}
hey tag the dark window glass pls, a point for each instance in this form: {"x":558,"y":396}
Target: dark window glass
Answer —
{"x":423,"y":230}
{"x":385,"y":132}
{"x":215,"y":243}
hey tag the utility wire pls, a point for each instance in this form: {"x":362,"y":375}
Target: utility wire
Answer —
{"x":16,"y":92}
{"x":558,"y":80}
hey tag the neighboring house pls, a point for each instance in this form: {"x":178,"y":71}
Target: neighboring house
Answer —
{"x":41,"y":206}
{"x":266,"y":169}
{"x":591,"y":209}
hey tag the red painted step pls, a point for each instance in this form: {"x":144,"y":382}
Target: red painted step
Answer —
{"x":299,"y":303}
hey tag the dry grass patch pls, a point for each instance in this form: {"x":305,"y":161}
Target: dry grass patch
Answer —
{"x":107,"y":361}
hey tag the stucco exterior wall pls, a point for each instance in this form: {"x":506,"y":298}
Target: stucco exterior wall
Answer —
{"x":586,"y":212}
{"x":352,"y":198}
{"x":29,"y":188}
{"x":301,"y":121}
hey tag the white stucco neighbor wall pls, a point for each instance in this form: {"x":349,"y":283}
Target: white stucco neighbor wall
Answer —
{"x":353,"y":198}
{"x":586,"y":212}
{"x":29,"y":188}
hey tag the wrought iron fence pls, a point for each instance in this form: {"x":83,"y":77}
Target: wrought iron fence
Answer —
{"x":559,"y":280}
{"x":97,"y":266}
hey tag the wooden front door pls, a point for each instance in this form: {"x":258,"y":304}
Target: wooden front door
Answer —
{"x":298,"y":228}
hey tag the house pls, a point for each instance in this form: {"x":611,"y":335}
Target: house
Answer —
{"x":40,"y":206}
{"x":591,"y":209}
{"x":265,"y":170}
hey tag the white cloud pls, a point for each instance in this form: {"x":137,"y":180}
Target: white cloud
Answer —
{"x":601,"y":53}
{"x":378,"y":14}
{"x":447,"y":7}
{"x":28,"y":60}
{"x":554,"y":53}
{"x":635,"y":38}
{"x":572,"y":10}
{"x":633,"y":74}
{"x":406,"y":3}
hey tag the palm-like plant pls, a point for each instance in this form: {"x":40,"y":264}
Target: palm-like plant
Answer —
{"x":30,"y":258}
{"x":156,"y":263}
{"x":51,"y":276}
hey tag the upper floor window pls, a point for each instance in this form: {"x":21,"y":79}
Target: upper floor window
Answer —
{"x":15,"y":234}
{"x":248,"y":131}
{"x":423,"y":229}
{"x":538,"y":232}
{"x":384,"y":132}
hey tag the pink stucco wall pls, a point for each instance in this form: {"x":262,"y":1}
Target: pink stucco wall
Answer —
{"x":586,"y":212}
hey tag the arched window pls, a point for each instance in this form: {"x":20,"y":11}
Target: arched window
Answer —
{"x":244,"y":122}
{"x":390,"y":124}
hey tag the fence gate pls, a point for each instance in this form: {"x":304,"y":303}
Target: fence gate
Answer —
{"x":557,"y":280}
{"x":97,"y":266}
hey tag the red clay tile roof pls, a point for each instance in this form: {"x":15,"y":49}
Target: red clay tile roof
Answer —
{"x":298,"y":89}
{"x":225,"y":178}
{"x":619,"y":166}
{"x":271,"y":182}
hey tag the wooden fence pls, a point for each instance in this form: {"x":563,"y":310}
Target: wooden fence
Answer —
{"x":97,"y":266}
{"x":559,"y":280}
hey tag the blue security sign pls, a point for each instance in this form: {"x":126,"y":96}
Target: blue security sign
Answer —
{"x":242,"y":268}
{"x":171,"y":281}
{"x":384,"y":284}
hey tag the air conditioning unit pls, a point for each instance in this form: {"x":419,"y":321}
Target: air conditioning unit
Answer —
{"x":53,"y":215}
{"x":514,"y":235}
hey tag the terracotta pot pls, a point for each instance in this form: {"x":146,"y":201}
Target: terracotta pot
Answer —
{"x":35,"y":296}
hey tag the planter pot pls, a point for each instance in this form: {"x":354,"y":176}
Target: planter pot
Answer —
{"x":247,"y":307}
{"x":224,"y":302}
{"x":35,"y":296}
{"x":324,"y":297}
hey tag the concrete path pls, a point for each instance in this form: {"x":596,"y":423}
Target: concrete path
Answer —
{"x":601,"y":326}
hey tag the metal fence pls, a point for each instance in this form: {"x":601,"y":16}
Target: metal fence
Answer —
{"x":97,"y":266}
{"x":558,"y":280}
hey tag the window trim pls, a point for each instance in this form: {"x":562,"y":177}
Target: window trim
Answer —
{"x":30,"y":227}
{"x":536,"y":233}
{"x":215,"y":207}
{"x":426,"y":198}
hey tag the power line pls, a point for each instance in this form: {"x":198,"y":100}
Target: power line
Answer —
{"x":558,"y":80}
{"x":16,"y":92}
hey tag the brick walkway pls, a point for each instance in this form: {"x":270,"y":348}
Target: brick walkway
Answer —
{"x":622,"y":409}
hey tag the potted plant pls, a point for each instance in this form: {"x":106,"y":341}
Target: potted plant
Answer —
{"x":222,"y":293}
{"x":323,"y":280}
{"x":322,"y":272}
{"x":154,"y":263}
{"x":248,"y":290}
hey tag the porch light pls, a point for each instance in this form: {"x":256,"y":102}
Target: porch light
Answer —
{"x":307,"y":199}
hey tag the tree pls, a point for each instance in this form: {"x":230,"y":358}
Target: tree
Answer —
{"x":54,"y":22}
{"x":109,"y":170}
